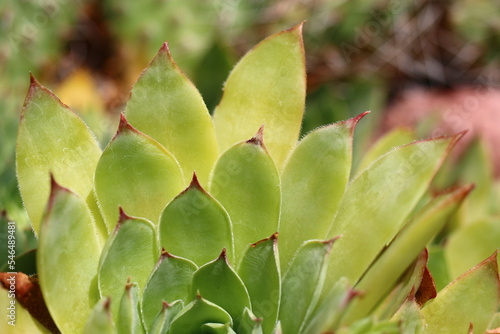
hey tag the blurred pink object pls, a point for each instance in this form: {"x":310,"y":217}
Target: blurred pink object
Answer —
{"x":476,"y":109}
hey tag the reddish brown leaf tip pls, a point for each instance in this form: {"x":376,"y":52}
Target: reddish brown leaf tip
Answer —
{"x":352,"y":122}
{"x":123,"y":216}
{"x":258,"y":139}
{"x":165,"y":254}
{"x":471,"y":328}
{"x":33,"y":81}
{"x":54,"y":189}
{"x":195,"y":183}
{"x":427,"y":289}
{"x":107,"y":304}
{"x":164,"y":48}
{"x":273,"y":237}
{"x":124,"y":124}
{"x":223,"y":255}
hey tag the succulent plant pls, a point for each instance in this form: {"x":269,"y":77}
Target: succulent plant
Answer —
{"x":175,"y":226}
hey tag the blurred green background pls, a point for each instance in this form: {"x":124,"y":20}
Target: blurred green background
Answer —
{"x":361,"y":55}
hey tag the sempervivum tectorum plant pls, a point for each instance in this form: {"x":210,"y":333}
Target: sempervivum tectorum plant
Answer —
{"x":172,"y":228}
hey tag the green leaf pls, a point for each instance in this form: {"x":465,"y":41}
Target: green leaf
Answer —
{"x":220,"y":284}
{"x":266,"y":87}
{"x":130,"y":254}
{"x":136,"y":173}
{"x":406,"y":288}
{"x":217,"y":328}
{"x":327,"y":315}
{"x":52,"y":139}
{"x":259,"y":271}
{"x":246,"y":182}
{"x":410,"y":318}
{"x":67,"y":259}
{"x":129,"y":321}
{"x":250,"y":324}
{"x":196,"y":314}
{"x":379,"y":200}
{"x":165,"y":105}
{"x":162,"y":322}
{"x":438,"y":266}
{"x":302,"y":285}
{"x":403,"y":250}
{"x":471,"y":244}
{"x":314,"y":180}
{"x":392,"y":139}
{"x":23,"y":322}
{"x":195,"y":226}
{"x":100,"y":320}
{"x":471,"y":299}
{"x":170,"y":281}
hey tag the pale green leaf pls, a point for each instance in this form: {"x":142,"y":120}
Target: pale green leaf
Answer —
{"x":213,"y":328}
{"x":403,"y":250}
{"x":471,"y":299}
{"x":196,"y":314}
{"x":135,"y":173}
{"x":378,"y":202}
{"x":165,"y":105}
{"x":327,"y":315}
{"x":266,"y":87}
{"x":128,"y":320}
{"x":259,"y":271}
{"x":219,"y":283}
{"x":195,"y":226}
{"x":250,"y":324}
{"x":162,"y":322}
{"x":67,"y":259}
{"x":313,"y":183}
{"x":170,"y":281}
{"x":410,"y":318}
{"x":302,"y":285}
{"x":392,"y":139}
{"x":130,"y":254}
{"x":471,"y":244}
{"x":246,"y":182}
{"x":52,"y":139}
{"x":100,"y":319}
{"x":20,"y":321}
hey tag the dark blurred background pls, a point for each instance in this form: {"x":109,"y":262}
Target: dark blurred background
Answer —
{"x":404,"y":60}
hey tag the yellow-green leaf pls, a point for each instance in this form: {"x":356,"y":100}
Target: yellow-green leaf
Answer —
{"x":100,"y":319}
{"x":165,"y":105}
{"x":246,"y":182}
{"x":136,"y":173}
{"x":67,"y":259}
{"x":266,"y":87}
{"x":378,"y":202}
{"x":313,"y":183}
{"x":129,"y":255}
{"x":471,"y":299}
{"x":195,"y":226}
{"x":129,"y":321}
{"x":52,"y":139}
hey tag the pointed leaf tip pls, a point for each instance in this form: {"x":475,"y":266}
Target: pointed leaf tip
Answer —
{"x":195,"y":183}
{"x":124,"y":125}
{"x":33,"y":81}
{"x":123,"y":216}
{"x":223,"y":255}
{"x":165,"y":48}
{"x":258,"y":139}
{"x":352,"y":122}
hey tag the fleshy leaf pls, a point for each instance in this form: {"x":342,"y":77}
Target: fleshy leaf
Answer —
{"x":165,"y":105}
{"x":100,"y":319}
{"x":379,"y":200}
{"x":213,"y":328}
{"x":396,"y":137}
{"x":259,"y":271}
{"x":128,"y":320}
{"x":250,"y":324}
{"x":162,"y":322}
{"x":302,"y":285}
{"x":402,"y":251}
{"x":314,"y":180}
{"x":68,"y":252}
{"x":195,"y":226}
{"x":24,"y":309}
{"x":170,"y":281}
{"x":471,"y":299}
{"x":470,"y":244}
{"x":196,"y":314}
{"x":220,"y":284}
{"x":406,"y":288}
{"x":135,"y":173}
{"x":52,"y":139}
{"x":246,"y":182}
{"x":326,"y":317}
{"x":129,"y":254}
{"x":266,"y":87}
{"x":410,"y":318}
{"x":438,"y":267}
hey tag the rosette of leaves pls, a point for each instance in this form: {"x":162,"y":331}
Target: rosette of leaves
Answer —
{"x":172,"y":228}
